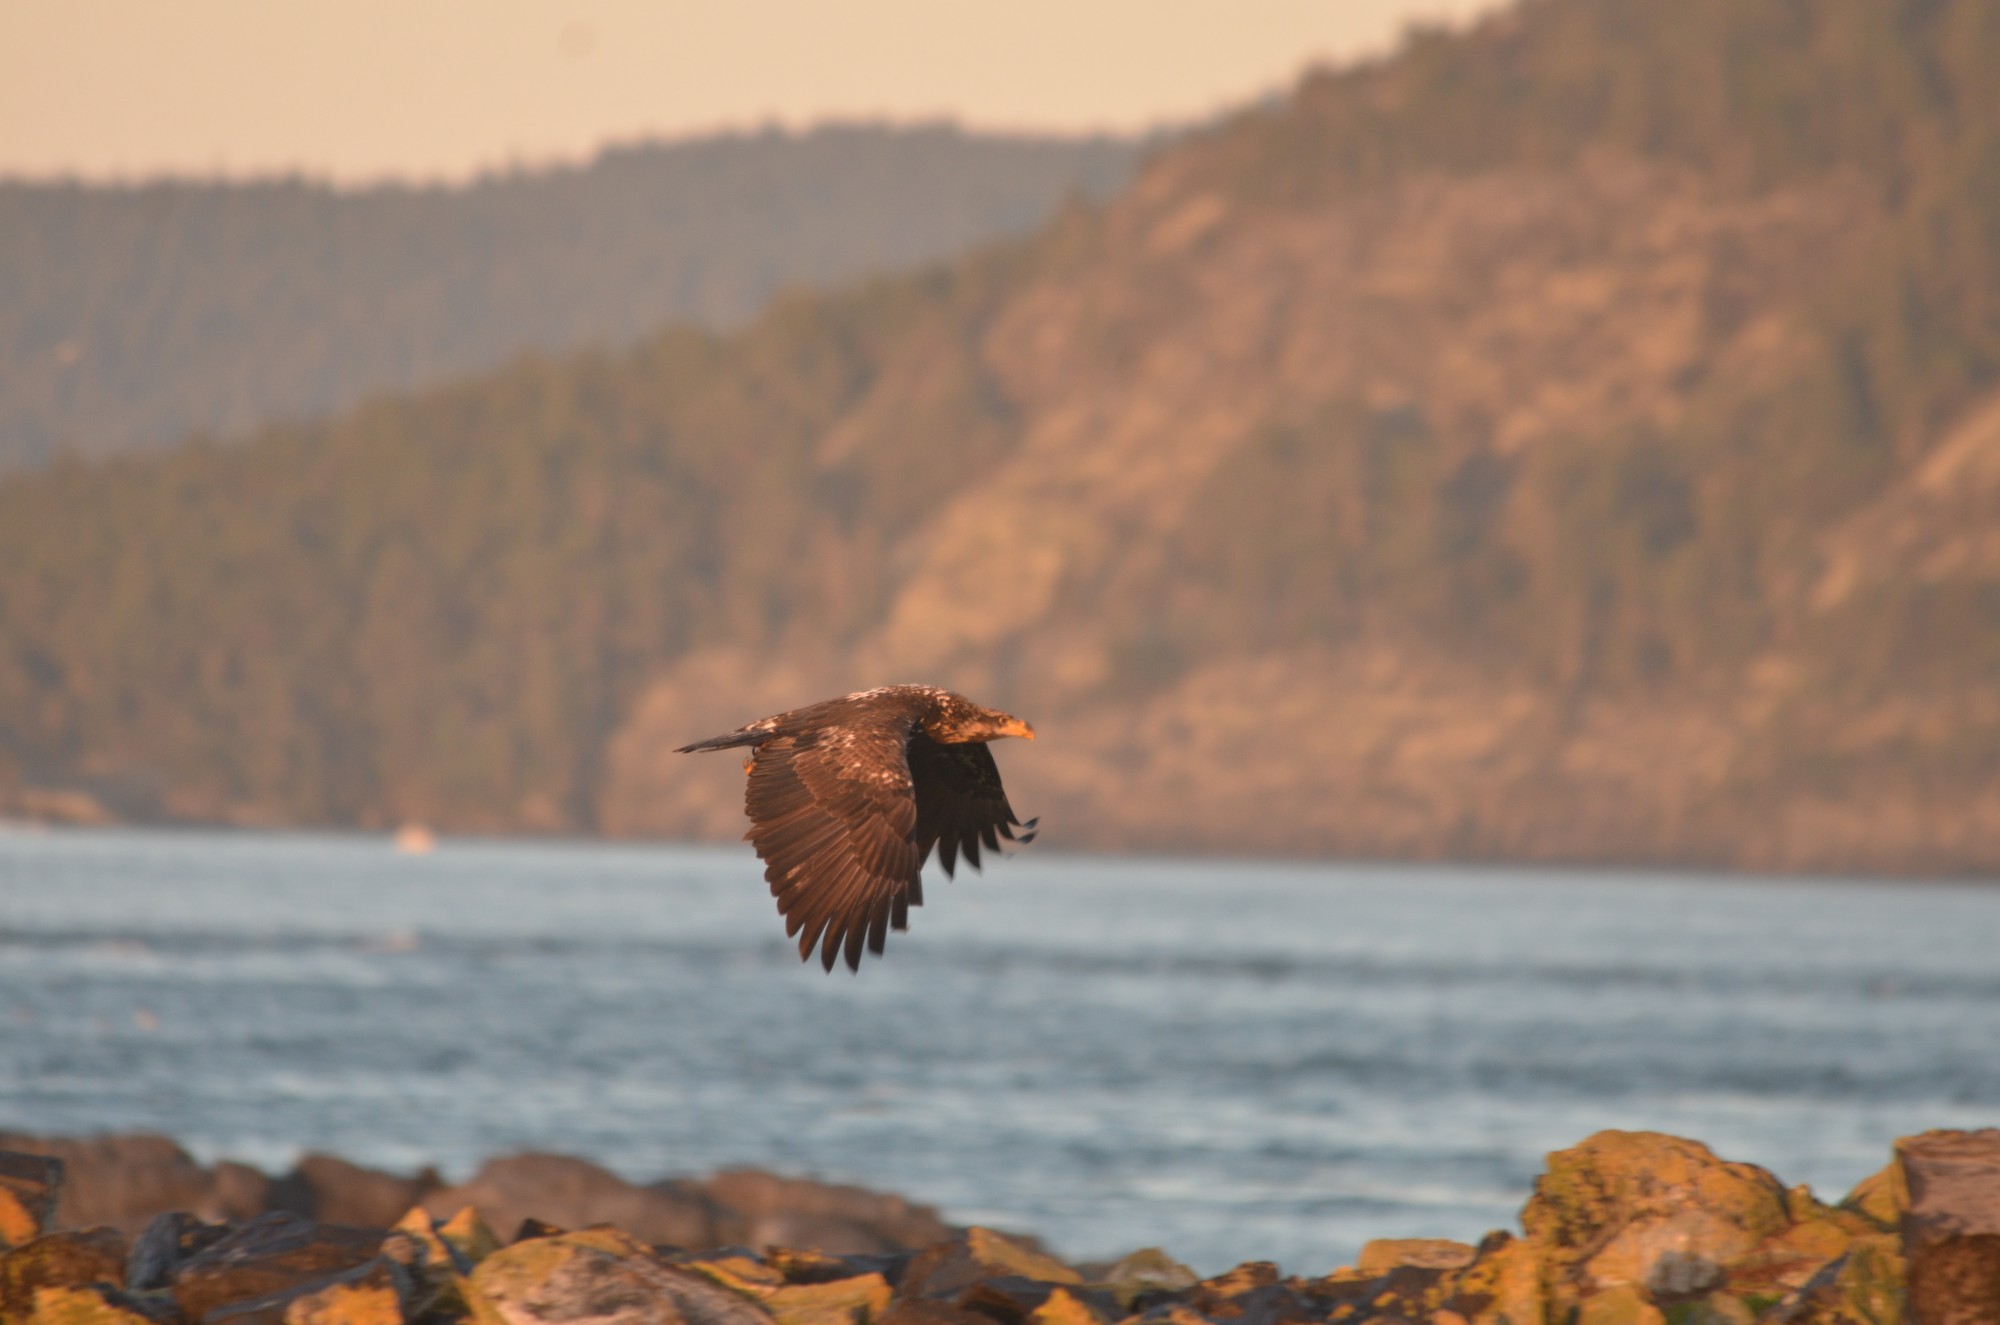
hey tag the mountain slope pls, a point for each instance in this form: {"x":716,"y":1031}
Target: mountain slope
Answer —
{"x":1489,"y":453}
{"x":136,"y":315}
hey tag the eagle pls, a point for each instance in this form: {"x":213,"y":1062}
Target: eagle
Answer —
{"x":847,"y":797}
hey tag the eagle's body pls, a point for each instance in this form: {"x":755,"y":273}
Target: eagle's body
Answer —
{"x":847,"y":797}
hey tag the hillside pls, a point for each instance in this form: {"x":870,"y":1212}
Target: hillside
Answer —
{"x":1574,"y":439}
{"x":135,"y":315}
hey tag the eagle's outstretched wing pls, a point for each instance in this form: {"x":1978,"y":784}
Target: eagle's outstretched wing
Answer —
{"x":833,"y":814}
{"x":960,"y":802}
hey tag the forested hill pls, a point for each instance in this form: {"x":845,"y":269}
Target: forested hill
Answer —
{"x":1577,"y":438}
{"x":133,"y":316}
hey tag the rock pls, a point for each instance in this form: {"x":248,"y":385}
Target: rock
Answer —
{"x":759,"y":1209}
{"x":928,"y":1311}
{"x":271,"y":1255}
{"x":1787,"y":1261}
{"x":471,"y":1237}
{"x":166,"y":1242}
{"x":373,"y":1293}
{"x":599,"y":1275}
{"x":1609,"y":1210}
{"x":1951,"y":1230}
{"x":1619,"y":1305}
{"x":1866,"y":1286}
{"x":237,"y":1193}
{"x":573,"y":1193}
{"x":1385,"y":1254}
{"x":1011,"y":1299}
{"x":1062,"y":1307}
{"x":954,"y":1264}
{"x":95,"y":1304}
{"x":436,"y":1270}
{"x":29,"y":1184}
{"x":59,"y":1260}
{"x":1882,"y":1197}
{"x":334,"y":1191}
{"x":1503,"y":1283}
{"x":854,"y":1301}
{"x":122,"y":1181}
{"x":1147,"y":1273}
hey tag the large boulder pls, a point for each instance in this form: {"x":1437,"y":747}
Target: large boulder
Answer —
{"x":1647,"y":1211}
{"x":1951,"y":1230}
{"x":76,"y":1259}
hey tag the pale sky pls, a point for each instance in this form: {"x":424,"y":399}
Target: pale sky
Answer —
{"x":369,"y":89}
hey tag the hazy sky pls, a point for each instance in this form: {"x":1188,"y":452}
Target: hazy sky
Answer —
{"x":363,"y":89}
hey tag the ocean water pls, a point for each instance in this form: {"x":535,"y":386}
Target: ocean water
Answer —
{"x":1233,"y":1061}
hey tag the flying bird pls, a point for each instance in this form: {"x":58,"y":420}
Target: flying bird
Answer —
{"x":847,"y":797}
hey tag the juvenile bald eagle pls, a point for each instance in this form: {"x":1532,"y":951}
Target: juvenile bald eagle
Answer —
{"x":847,"y":797}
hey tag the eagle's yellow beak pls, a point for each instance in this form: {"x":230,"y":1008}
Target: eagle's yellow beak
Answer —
{"x":1016,"y":727}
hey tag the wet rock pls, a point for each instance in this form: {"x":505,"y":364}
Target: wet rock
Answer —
{"x":573,"y":1193}
{"x":334,"y":1191}
{"x":1606,"y":1212}
{"x":928,"y":1311}
{"x":1385,"y":1254}
{"x":164,"y":1244}
{"x":271,"y":1255}
{"x":1951,"y":1230}
{"x":759,"y":1209}
{"x":122,"y":1181}
{"x":952,"y":1265}
{"x":28,"y":1187}
{"x":59,"y":1260}
{"x":599,"y":1275}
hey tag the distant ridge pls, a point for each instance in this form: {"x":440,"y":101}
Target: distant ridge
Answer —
{"x":1573,"y":439}
{"x":136,"y":314}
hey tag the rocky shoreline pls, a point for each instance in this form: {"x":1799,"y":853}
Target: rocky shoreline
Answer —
{"x":1626,"y":1228}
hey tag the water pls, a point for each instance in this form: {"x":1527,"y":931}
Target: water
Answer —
{"x":1233,"y":1061}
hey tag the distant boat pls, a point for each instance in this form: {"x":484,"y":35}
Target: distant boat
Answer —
{"x":415,"y":839}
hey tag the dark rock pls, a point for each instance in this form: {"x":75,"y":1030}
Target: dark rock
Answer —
{"x":1951,"y":1231}
{"x":927,"y":1311}
{"x":59,"y":1260}
{"x":272,"y":1254}
{"x":29,"y":1184}
{"x":949,"y":1267}
{"x":800,"y":1266}
{"x":166,"y":1242}
{"x":334,"y":1191}
{"x":573,"y":1193}
{"x":1012,"y":1298}
{"x":537,"y":1228}
{"x":761,"y":1209}
{"x":375,"y":1292}
{"x":122,"y":1181}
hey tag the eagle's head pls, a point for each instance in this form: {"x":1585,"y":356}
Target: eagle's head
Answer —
{"x":959,"y":720}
